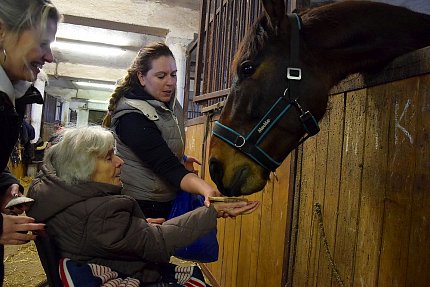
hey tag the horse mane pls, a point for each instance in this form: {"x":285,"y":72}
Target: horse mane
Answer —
{"x":372,"y":33}
{"x":256,"y":37}
{"x":253,"y":42}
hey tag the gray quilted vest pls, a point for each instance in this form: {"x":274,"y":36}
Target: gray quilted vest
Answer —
{"x":139,"y":181}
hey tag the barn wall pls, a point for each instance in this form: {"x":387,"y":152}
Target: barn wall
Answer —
{"x":369,"y":169}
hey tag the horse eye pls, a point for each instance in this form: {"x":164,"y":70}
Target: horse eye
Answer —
{"x":247,"y":68}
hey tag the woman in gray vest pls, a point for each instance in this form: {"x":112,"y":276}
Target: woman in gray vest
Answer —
{"x":149,"y":127}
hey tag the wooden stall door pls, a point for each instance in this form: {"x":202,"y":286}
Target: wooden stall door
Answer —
{"x":369,"y":170}
{"x":252,"y":246}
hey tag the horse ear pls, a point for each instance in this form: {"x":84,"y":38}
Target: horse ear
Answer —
{"x":275,"y":10}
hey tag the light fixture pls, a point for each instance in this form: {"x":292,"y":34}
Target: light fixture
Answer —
{"x":73,"y":32}
{"x":88,"y":49}
{"x":98,"y":101}
{"x":103,"y":86}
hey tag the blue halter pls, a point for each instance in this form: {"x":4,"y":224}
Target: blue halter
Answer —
{"x":249,"y":144}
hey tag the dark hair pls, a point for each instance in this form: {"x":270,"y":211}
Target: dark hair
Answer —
{"x":142,"y":63}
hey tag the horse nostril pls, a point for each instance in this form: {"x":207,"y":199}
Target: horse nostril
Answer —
{"x":216,"y":171}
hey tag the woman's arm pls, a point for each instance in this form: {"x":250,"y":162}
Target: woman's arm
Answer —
{"x":194,"y":184}
{"x":151,"y":148}
{"x":115,"y":230}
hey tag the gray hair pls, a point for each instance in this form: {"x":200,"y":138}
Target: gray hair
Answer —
{"x":21,"y":15}
{"x":74,"y":156}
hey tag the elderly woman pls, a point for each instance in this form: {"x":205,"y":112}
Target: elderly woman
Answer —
{"x":78,"y":196}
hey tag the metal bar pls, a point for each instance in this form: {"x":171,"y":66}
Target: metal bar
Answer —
{"x":199,"y":56}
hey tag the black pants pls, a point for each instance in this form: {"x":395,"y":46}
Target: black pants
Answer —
{"x":155,"y":209}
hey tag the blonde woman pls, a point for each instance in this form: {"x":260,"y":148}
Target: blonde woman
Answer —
{"x":27,"y":28}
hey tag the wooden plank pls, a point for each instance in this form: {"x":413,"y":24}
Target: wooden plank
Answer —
{"x":236,"y":249}
{"x":196,"y":121}
{"x":246,"y":248}
{"x":418,"y":272}
{"x":318,"y":197}
{"x":218,"y":266}
{"x":300,"y":277}
{"x":280,"y":208}
{"x":228,"y":257}
{"x":248,"y":255}
{"x":214,"y":108}
{"x":119,"y":26}
{"x":406,"y":66}
{"x":264,"y":255}
{"x":350,"y":185}
{"x":400,"y":183}
{"x":256,"y":241}
{"x":207,"y":96}
{"x":193,"y":142}
{"x":335,"y":115}
{"x":373,"y":187}
{"x":294,"y":199}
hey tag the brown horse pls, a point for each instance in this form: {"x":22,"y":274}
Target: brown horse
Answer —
{"x":283,"y":72}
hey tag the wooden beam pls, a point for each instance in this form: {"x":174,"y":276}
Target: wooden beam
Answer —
{"x":111,"y":25}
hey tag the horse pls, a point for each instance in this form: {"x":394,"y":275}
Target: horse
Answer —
{"x":283,"y":71}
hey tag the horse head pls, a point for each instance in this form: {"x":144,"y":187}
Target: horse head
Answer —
{"x":265,"y":74}
{"x":282,"y":73}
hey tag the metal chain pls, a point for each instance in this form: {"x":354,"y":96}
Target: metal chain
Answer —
{"x":331,"y":262}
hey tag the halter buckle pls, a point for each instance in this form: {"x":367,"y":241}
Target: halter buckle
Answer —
{"x":294,"y":74}
{"x":309,"y":123}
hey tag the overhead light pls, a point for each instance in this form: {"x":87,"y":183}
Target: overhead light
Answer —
{"x":88,"y":49}
{"x":81,"y":33}
{"x":98,"y":101}
{"x":103,"y":86}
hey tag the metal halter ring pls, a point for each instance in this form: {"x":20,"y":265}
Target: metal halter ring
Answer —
{"x":242,"y":144}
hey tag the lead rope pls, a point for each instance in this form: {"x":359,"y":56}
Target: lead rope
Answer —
{"x":331,"y":262}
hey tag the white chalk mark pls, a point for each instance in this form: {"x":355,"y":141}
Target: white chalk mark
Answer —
{"x":398,"y":120}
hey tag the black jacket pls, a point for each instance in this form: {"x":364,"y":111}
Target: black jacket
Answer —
{"x":10,"y":125}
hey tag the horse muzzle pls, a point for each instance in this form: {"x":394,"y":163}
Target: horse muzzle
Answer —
{"x":234,"y":173}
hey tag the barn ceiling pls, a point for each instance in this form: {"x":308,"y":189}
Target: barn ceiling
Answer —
{"x":119,"y":29}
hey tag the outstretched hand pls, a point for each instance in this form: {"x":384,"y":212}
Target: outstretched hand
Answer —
{"x":233,"y":209}
{"x":15,"y":229}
